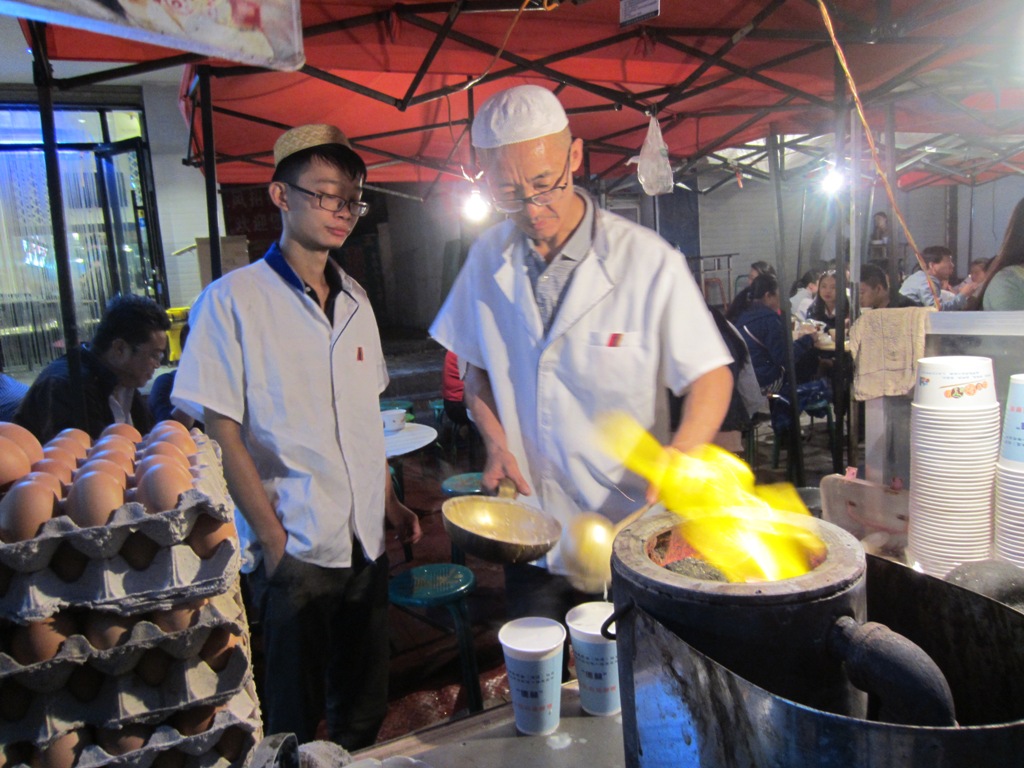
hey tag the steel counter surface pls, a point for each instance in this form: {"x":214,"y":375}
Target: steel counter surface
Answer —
{"x":489,"y":740}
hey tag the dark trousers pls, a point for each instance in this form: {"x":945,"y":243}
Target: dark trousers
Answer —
{"x":325,"y":636}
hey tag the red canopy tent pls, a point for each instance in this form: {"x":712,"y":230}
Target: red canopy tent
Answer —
{"x":717,"y":75}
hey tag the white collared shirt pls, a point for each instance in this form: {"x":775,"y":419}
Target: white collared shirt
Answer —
{"x":262,"y":353}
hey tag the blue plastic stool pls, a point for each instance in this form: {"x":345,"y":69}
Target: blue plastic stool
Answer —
{"x":431,"y":586}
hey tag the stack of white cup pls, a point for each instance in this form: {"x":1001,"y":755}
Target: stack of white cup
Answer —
{"x":954,"y":445}
{"x":1009,"y":508}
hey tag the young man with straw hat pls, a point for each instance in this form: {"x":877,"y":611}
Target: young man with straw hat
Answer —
{"x":284,"y":365}
{"x":563,"y":312}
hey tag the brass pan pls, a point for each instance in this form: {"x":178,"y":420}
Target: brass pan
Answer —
{"x":499,"y":529}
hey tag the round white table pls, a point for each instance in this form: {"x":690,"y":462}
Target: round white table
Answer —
{"x":413,"y":437}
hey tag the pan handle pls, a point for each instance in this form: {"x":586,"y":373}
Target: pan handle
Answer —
{"x":506,"y":489}
{"x":617,"y":614}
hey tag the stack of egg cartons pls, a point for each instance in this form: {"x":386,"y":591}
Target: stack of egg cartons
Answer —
{"x":123,"y":639}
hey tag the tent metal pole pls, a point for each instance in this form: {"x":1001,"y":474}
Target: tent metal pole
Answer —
{"x":795,"y":450}
{"x":210,"y":170}
{"x":855,"y":254}
{"x":43,"y":76}
{"x":893,"y":266}
{"x":839,"y":396}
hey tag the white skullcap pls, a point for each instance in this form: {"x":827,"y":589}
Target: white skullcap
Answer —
{"x":519,"y":114}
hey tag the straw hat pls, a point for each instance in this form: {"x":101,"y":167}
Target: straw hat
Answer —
{"x":518,"y":114}
{"x":304,"y":137}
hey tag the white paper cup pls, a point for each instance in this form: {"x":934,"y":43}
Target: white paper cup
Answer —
{"x":533,"y":660}
{"x":1012,"y":447}
{"x":597,"y":660}
{"x":955,"y":382}
{"x":393,"y":419}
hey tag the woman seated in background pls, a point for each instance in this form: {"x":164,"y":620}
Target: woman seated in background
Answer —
{"x":741,"y":300}
{"x":764,"y":331}
{"x":1004,"y":285}
{"x":804,"y":290}
{"x":823,"y":308}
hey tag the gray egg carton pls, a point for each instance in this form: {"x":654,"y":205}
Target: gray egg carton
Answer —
{"x":241,"y":711}
{"x":222,"y":612}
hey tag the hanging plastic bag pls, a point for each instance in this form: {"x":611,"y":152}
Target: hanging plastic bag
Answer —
{"x":654,"y":169}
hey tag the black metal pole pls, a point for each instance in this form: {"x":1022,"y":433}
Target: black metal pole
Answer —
{"x":796,"y":455}
{"x":43,"y":77}
{"x":210,"y":170}
{"x":839,"y":388}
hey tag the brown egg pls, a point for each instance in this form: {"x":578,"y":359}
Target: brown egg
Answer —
{"x":124,"y":430}
{"x":207,"y":534}
{"x":121,"y":741}
{"x":108,"y":467}
{"x":68,"y":563}
{"x":217,"y":649}
{"x":115,"y":443}
{"x":63,"y":455}
{"x":170,"y":450}
{"x":171,"y":758}
{"x":14,"y":464}
{"x":194,"y":720}
{"x":85,"y":683}
{"x":69,"y":444}
{"x":26,"y":506}
{"x":41,"y":640}
{"x":153,"y":666}
{"x":104,"y":629}
{"x":15,"y":699}
{"x":176,"y":619}
{"x":182,"y":442}
{"x":63,"y":752}
{"x":58,"y":469}
{"x":93,"y":498}
{"x":165,"y":426}
{"x":47,"y":479}
{"x":23,"y":438}
{"x":231,"y":743}
{"x":79,"y":435}
{"x":146,"y":464}
{"x":139,"y":550}
{"x":160,"y":487}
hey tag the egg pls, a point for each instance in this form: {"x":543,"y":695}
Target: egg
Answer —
{"x":171,"y":758}
{"x":68,"y":563}
{"x":217,"y":649}
{"x":123,"y":460}
{"x":139,"y":550}
{"x":152,"y":667}
{"x":23,"y":438}
{"x":207,"y":534}
{"x":115,"y":443}
{"x":85,"y":683}
{"x":194,"y":720}
{"x":63,"y":455}
{"x":69,"y":444}
{"x":26,"y":506}
{"x":51,"y":481}
{"x":165,"y":426}
{"x":159,"y":489}
{"x":176,"y":619}
{"x":182,"y":442}
{"x":58,"y":469}
{"x":79,"y":435}
{"x":107,"y":467}
{"x":232,"y":743}
{"x":15,"y":699}
{"x":121,"y":741}
{"x":170,"y":450}
{"x":105,"y":630}
{"x":124,"y":430}
{"x":41,"y":640}
{"x":62,"y":752}
{"x":14,"y":464}
{"x":146,"y":464}
{"x":93,"y":498}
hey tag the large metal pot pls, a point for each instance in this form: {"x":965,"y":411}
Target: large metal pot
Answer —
{"x":499,"y":528}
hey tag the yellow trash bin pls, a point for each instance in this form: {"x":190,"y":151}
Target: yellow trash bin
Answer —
{"x":178,"y":317}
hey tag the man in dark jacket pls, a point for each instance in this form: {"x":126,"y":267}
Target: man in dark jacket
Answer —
{"x":126,"y":350}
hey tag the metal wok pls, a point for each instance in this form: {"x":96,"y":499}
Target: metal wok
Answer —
{"x":499,"y":528}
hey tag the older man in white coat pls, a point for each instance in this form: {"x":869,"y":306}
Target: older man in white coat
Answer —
{"x":563,"y":312}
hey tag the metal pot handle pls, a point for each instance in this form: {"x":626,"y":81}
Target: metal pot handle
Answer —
{"x":617,"y":614}
{"x":506,"y":489}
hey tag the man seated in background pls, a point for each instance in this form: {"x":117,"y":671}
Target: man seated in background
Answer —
{"x":160,"y":404}
{"x":938,"y":261}
{"x":128,"y":346}
{"x":874,"y":290}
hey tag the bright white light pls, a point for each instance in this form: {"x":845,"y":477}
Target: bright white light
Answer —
{"x":475,"y":208}
{"x":832,"y":182}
